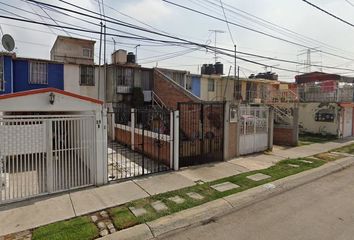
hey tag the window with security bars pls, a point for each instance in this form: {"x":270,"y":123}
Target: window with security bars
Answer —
{"x":87,"y":75}
{"x":38,"y":73}
{"x":2,"y":79}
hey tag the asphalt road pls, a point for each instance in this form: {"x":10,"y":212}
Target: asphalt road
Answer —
{"x":320,"y":210}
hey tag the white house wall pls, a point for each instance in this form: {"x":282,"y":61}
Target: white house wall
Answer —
{"x":307,"y":118}
{"x":72,"y":82}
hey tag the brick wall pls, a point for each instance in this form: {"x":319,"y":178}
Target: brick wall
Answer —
{"x":170,"y":93}
{"x":232,"y":140}
{"x":151,"y":149}
{"x":283,"y":135}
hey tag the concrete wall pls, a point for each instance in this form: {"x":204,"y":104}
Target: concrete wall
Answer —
{"x":308,"y":122}
{"x":72,"y":82}
{"x":21,"y":76}
{"x":70,"y":50}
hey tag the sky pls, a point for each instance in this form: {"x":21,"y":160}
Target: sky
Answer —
{"x":294,"y":21}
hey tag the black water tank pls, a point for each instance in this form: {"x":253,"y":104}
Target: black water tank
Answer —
{"x":210,"y":69}
{"x":131,"y":57}
{"x":204,"y":69}
{"x":219,"y":68}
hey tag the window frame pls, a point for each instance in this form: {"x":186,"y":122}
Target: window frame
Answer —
{"x":125,"y":77}
{"x":85,"y":82}
{"x":90,"y":52}
{"x":211,"y":85}
{"x":37,"y":73}
{"x":2,"y":74}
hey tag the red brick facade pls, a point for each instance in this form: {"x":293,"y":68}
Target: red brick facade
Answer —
{"x":284,"y":136}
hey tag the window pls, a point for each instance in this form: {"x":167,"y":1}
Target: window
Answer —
{"x":211,"y":85}
{"x":87,"y":75}
{"x":87,"y":52}
{"x":125,"y":77}
{"x":2,"y":80}
{"x":38,"y":73}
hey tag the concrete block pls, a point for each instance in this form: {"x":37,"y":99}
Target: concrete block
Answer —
{"x":195,"y":196}
{"x":159,"y":206}
{"x":258,"y":177}
{"x":293,"y":165}
{"x":226,"y":186}
{"x":138,"y":211}
{"x":305,"y":161}
{"x":177,"y":199}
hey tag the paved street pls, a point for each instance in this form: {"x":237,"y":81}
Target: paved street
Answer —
{"x":323,"y":209}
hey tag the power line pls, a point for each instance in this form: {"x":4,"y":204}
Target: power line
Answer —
{"x":350,"y":3}
{"x":331,"y":14}
{"x":227,"y":22}
{"x":251,"y":29}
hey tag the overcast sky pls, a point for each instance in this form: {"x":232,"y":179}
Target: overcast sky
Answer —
{"x":330,"y":35}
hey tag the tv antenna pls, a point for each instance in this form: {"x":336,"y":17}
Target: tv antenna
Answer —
{"x":215,"y":31}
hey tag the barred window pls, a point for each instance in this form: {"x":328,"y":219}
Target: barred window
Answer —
{"x":38,"y":73}
{"x":211,"y":85}
{"x":125,"y":77}
{"x":87,"y":75}
{"x":2,"y":80}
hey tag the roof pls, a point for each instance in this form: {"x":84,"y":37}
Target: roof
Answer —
{"x":73,"y":38}
{"x":316,"y":77}
{"x":47,"y":90}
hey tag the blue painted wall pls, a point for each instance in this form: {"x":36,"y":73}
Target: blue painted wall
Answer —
{"x":21,"y":76}
{"x":7,"y":74}
{"x":196,"y":85}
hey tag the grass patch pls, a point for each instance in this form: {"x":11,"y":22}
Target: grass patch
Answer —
{"x":122,"y":217}
{"x":347,"y":149}
{"x":329,"y":157}
{"x":309,"y":138}
{"x":82,"y":228}
{"x":278,"y":171}
{"x":77,"y":228}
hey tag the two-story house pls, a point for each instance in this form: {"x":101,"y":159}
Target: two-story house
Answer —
{"x":81,"y":75}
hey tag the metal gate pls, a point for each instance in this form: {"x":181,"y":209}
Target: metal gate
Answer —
{"x":45,"y":154}
{"x":142,"y":142}
{"x":254,"y":129}
{"x":201,"y":133}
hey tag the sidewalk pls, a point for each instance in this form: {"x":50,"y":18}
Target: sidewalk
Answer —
{"x":34,"y":213}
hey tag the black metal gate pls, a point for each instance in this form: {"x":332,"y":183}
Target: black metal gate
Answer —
{"x":201,"y":133}
{"x":143,"y":143}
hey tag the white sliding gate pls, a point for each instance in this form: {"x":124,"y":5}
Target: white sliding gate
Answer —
{"x":254,"y":129}
{"x":45,"y":154}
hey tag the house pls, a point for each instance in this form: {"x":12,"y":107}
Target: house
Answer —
{"x":81,"y":75}
{"x":326,"y":103}
{"x":22,"y":74}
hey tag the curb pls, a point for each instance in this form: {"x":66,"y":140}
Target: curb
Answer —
{"x":210,"y":211}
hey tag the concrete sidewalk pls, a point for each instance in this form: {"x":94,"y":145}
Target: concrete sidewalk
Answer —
{"x":34,"y":213}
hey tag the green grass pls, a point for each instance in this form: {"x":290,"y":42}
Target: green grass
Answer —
{"x":308,"y":138}
{"x":347,"y":149}
{"x":77,"y":228}
{"x":81,"y":227}
{"x":280,"y":170}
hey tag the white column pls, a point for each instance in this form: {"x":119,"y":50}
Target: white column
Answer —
{"x":176,"y":141}
{"x":49,"y":150}
{"x":101,"y":148}
{"x":132,"y":128}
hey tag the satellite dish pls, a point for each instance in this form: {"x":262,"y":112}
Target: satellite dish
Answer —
{"x":8,"y":42}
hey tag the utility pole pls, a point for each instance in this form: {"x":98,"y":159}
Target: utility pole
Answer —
{"x":99,"y":63}
{"x":105,"y":64}
{"x":215,"y":31}
{"x":136,"y":53}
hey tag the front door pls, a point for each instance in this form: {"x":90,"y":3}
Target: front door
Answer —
{"x":348,"y":122}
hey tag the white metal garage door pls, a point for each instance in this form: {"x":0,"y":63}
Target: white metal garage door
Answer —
{"x":348,"y":122}
{"x":254,"y":129}
{"x":45,"y":154}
